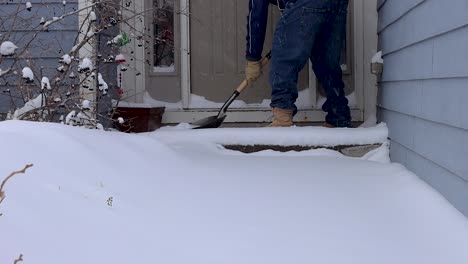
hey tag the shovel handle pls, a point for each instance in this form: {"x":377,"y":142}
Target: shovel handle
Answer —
{"x":263,"y":63}
{"x":240,"y":88}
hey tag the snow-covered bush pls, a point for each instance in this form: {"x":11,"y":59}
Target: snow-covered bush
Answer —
{"x":83,"y":82}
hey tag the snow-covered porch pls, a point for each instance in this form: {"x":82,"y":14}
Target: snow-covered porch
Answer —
{"x":178,"y":196}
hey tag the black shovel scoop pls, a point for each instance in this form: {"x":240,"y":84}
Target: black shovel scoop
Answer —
{"x":217,"y":120}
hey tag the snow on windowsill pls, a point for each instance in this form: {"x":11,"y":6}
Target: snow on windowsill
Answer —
{"x":164,"y":69}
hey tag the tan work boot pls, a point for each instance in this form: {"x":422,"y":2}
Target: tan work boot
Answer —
{"x":328,"y":125}
{"x":282,"y":117}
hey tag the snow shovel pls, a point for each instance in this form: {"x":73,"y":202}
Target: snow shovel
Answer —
{"x":217,"y":120}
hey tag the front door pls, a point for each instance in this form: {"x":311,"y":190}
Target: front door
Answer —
{"x":215,"y":50}
{"x":218,"y":39}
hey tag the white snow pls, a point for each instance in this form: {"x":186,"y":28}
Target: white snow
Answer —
{"x":164,"y":69}
{"x":197,"y":101}
{"x":120,"y":120}
{"x":116,"y":39}
{"x":7,"y":48}
{"x":30,"y":105}
{"x":28,"y":6}
{"x":302,"y":136}
{"x":99,"y":126}
{"x":86,"y":104}
{"x":61,"y":68}
{"x":70,"y":119}
{"x":90,"y":34}
{"x":28,"y":74}
{"x":303,"y":102}
{"x":92,"y":16}
{"x":119,"y":57}
{"x":107,"y":197}
{"x":382,"y":154}
{"x":74,"y":48}
{"x":377,"y":58}
{"x":85,"y":65}
{"x":149,"y":101}
{"x":352,"y":100}
{"x":45,"y":83}
{"x":42,"y":22}
{"x":64,"y":2}
{"x":48,"y":23}
{"x":66,"y":59}
{"x":370,"y":121}
{"x":80,"y":118}
{"x":103,"y":87}
{"x":304,"y":99}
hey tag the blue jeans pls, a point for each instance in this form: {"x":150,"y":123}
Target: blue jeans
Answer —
{"x":315,"y":30}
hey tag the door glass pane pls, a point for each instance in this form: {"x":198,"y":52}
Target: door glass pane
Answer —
{"x":163,"y":24}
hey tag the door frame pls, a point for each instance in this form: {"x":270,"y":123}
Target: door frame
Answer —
{"x":364,"y":46}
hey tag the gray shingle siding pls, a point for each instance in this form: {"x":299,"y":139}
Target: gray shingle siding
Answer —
{"x":424,"y":88}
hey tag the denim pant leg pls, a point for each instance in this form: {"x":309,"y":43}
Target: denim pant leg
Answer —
{"x":325,"y":59}
{"x":292,"y":46}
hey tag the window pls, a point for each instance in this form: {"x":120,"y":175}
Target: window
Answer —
{"x":163,"y":49}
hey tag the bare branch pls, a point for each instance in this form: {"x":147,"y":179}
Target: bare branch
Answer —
{"x":2,"y":193}
{"x":19,"y":259}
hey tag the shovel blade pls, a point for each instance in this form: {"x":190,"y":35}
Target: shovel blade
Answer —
{"x":209,"y":122}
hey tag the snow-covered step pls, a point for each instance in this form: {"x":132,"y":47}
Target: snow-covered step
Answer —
{"x":350,"y":151}
{"x":295,"y":136}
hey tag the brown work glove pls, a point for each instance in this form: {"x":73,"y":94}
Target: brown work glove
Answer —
{"x":253,"y":71}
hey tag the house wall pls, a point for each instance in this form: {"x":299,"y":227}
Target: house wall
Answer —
{"x":424,"y":88}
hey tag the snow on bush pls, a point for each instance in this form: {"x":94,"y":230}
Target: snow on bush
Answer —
{"x":103,"y":87}
{"x":85,"y":66}
{"x":45,"y":84}
{"x":31,"y":105}
{"x":28,"y":75}
{"x":7,"y":48}
{"x":86,"y":105}
{"x":28,"y":6}
{"x":66,"y":59}
{"x":92,"y":16}
{"x":73,"y":80}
